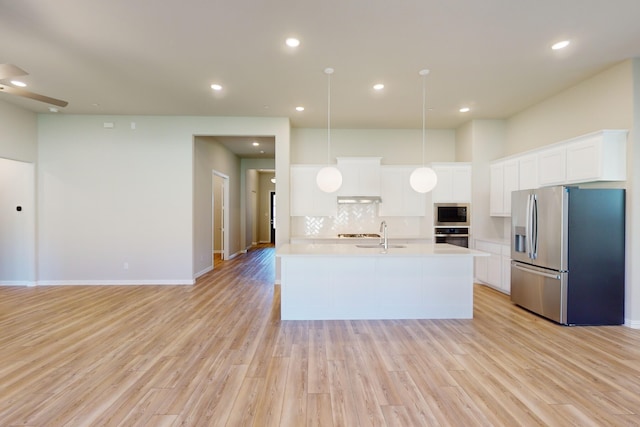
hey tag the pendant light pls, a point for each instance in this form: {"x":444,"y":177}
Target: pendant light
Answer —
{"x":423,"y":179}
{"x":329,"y":178}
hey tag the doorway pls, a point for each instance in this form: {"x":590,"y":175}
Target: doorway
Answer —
{"x":272,"y":216}
{"x":219,"y":217}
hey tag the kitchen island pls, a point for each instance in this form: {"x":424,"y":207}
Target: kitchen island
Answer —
{"x":343,"y":281}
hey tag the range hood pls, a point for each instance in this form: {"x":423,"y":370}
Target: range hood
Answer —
{"x":358,"y":200}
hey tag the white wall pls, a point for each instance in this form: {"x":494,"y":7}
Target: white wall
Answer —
{"x":395,"y":146}
{"x":18,"y":133}
{"x":250,"y":189}
{"x":210,"y":155}
{"x":18,"y":153}
{"x":484,"y":141}
{"x":114,"y":196}
{"x":604,"y":101}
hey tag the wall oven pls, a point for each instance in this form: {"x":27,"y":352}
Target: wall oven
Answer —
{"x":451,"y":214}
{"x":458,"y":236}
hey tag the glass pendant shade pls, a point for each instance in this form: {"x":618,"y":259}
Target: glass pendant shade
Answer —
{"x":423,"y":179}
{"x":329,"y":179}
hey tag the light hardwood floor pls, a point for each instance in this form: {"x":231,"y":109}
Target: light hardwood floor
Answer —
{"x":217,"y":354}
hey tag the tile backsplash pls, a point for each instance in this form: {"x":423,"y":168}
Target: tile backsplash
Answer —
{"x":359,"y":219}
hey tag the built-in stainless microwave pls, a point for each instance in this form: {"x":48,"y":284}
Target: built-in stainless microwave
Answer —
{"x":451,"y":214}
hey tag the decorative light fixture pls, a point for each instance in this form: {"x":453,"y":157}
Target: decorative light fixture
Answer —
{"x":560,"y":45}
{"x":292,"y":42}
{"x":273,"y":180}
{"x":329,"y":178}
{"x":423,"y":179}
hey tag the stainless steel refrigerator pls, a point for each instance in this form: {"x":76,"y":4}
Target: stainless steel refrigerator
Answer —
{"x":568,"y":256}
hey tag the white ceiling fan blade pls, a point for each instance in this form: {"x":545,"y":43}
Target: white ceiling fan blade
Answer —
{"x":25,"y":93}
{"x":8,"y":71}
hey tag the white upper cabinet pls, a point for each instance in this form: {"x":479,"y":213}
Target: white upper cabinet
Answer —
{"x":398,"y":198}
{"x":360,"y":176}
{"x":553,"y":166}
{"x":528,"y":172}
{"x":454,"y":182}
{"x":306,"y":198}
{"x":503,"y":180}
{"x":598,"y":156}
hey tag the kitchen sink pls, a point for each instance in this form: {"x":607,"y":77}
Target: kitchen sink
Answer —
{"x":380,"y":246}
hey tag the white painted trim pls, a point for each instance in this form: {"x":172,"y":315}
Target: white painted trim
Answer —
{"x":204,"y":271}
{"x":16,"y":283}
{"x":633,"y":324}
{"x":115,"y":282}
{"x":236,"y":254}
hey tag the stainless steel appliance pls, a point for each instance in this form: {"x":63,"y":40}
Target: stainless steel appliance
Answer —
{"x":567,"y":251}
{"x":451,"y":214}
{"x":458,"y":236}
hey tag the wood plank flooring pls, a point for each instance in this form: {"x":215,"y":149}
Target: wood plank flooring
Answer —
{"x":216,"y":354}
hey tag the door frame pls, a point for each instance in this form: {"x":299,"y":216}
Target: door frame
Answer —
{"x":225,"y":213}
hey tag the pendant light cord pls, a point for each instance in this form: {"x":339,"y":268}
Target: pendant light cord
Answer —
{"x":424,"y":74}
{"x":328,"y":72}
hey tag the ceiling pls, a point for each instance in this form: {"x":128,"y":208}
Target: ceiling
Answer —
{"x":147,"y":57}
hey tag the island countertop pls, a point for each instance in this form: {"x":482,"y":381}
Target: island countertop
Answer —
{"x":394,"y":250}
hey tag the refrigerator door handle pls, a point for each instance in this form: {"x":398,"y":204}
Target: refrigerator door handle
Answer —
{"x":528,"y":227}
{"x":539,"y":273}
{"x":534,"y":226}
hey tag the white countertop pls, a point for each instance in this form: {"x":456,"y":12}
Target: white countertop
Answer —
{"x":408,"y":250}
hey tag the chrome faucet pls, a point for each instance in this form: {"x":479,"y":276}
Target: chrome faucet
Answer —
{"x":385,"y":240}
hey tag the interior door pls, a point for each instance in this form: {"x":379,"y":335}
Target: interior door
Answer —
{"x":17,"y":223}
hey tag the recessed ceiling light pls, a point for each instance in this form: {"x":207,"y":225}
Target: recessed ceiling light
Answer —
{"x":216,"y":87}
{"x":560,"y":45}
{"x":255,"y":144}
{"x":53,"y":109}
{"x":378,"y":86}
{"x":18,"y":83}
{"x":465,"y":109}
{"x":300,"y":108}
{"x":292,"y":42}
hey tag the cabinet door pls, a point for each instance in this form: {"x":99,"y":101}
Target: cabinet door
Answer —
{"x":553,"y":166}
{"x":496,"y":190}
{"x":504,"y":180}
{"x":398,"y":198}
{"x":584,"y":161}
{"x":306,"y":198}
{"x":443,"y":191}
{"x":510,"y":184}
{"x":481,"y":268}
{"x":528,"y":172}
{"x":454,"y":184}
{"x":360,"y":176}
{"x":462,"y":184}
{"x":494,"y":271}
{"x":506,"y":274}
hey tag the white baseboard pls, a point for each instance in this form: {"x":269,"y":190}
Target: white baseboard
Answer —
{"x":633,"y":324}
{"x":114,"y":282}
{"x":16,"y":283}
{"x":203,"y":272}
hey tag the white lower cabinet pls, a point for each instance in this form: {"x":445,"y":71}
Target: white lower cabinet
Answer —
{"x":494,"y":270}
